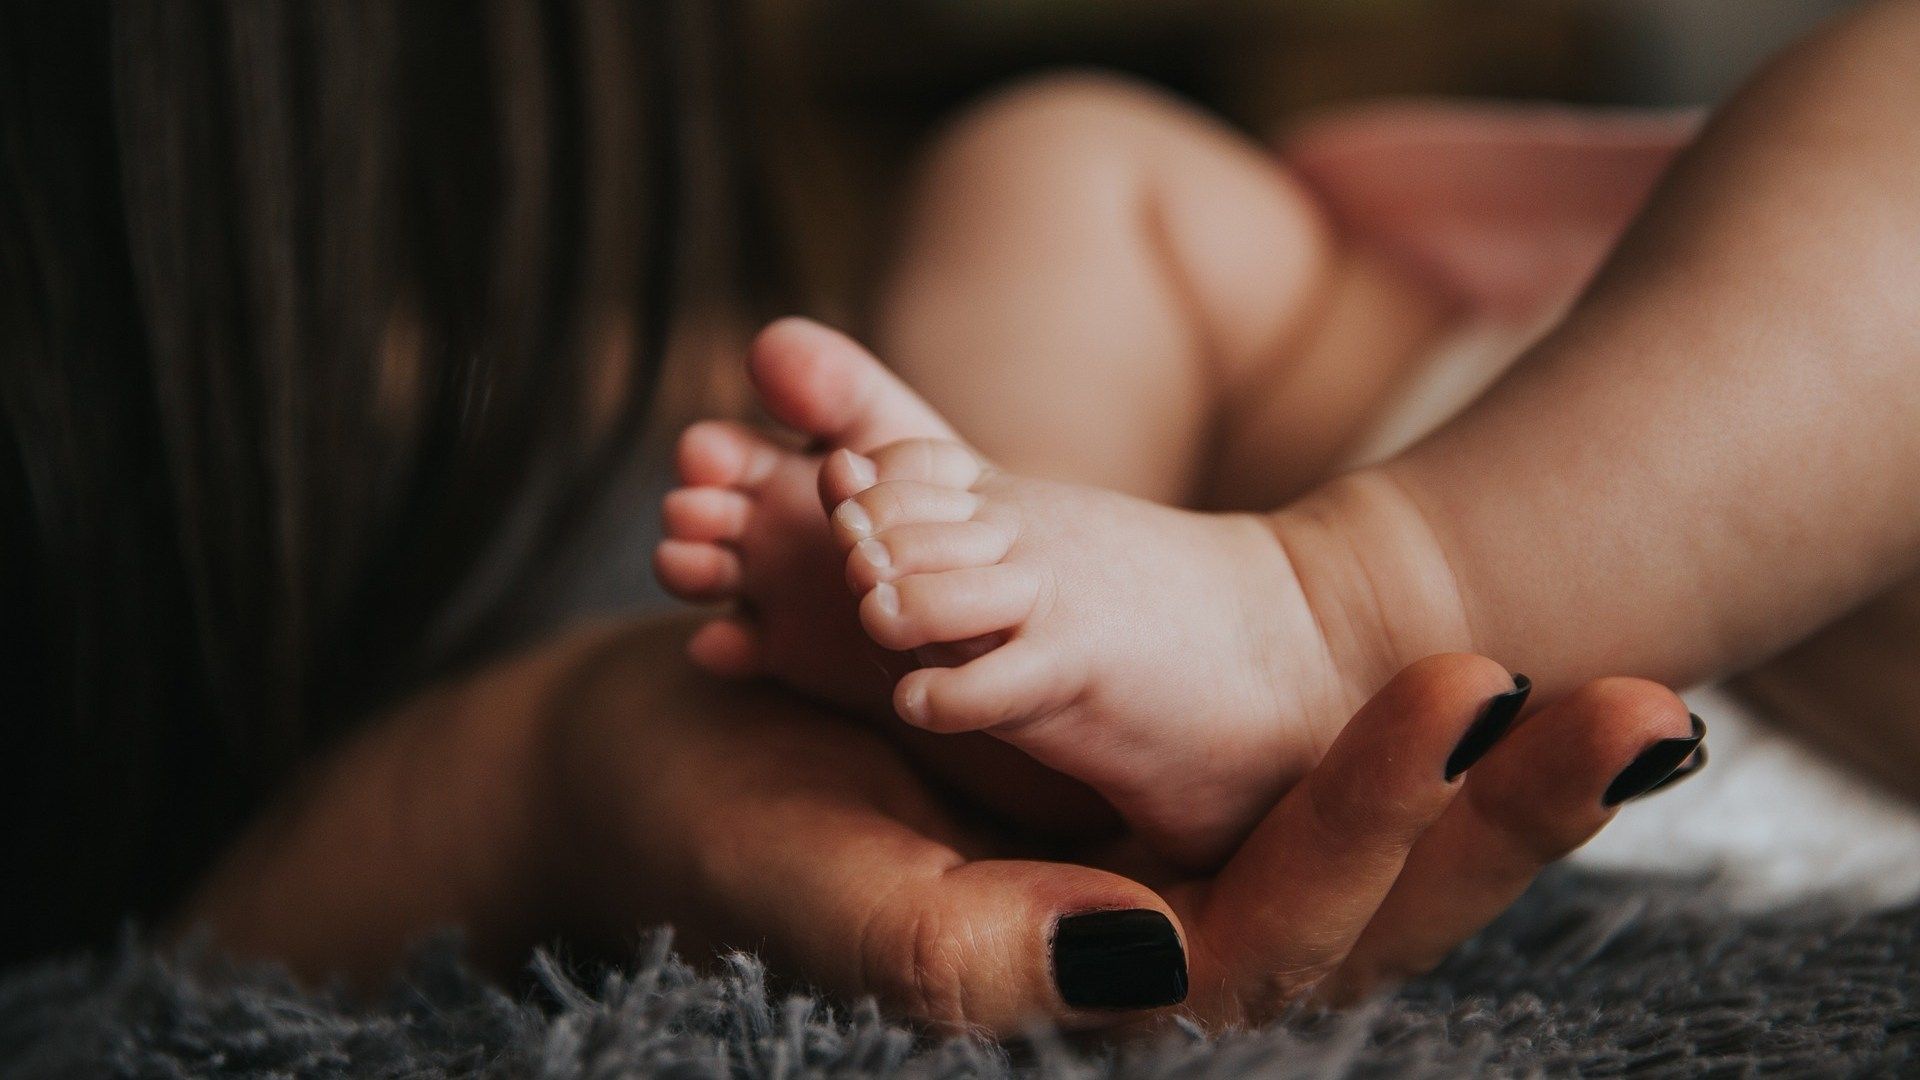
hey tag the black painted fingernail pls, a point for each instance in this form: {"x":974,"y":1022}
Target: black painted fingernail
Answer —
{"x":1657,"y":766}
{"x":1694,"y":763}
{"x":1119,"y":960}
{"x":1494,"y":722}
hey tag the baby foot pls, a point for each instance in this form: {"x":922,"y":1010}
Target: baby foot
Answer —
{"x":1168,"y":659}
{"x":1165,"y":657}
{"x":747,"y":526}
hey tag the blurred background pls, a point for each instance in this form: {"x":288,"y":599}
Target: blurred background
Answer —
{"x":864,"y":81}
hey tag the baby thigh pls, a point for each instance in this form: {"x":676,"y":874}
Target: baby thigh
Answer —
{"x":1091,"y":275}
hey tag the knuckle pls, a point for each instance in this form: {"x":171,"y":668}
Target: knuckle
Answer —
{"x":1339,"y":815}
{"x":914,"y":966}
{"x":1366,"y":816}
{"x":1531,"y":820}
{"x":1280,"y":988}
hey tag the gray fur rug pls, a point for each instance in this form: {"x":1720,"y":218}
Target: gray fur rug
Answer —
{"x":1598,"y":976}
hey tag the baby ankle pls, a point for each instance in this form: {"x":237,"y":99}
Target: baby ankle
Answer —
{"x":1375,"y":577}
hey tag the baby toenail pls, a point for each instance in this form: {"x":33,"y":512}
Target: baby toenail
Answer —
{"x":887,"y":599}
{"x":853,"y":518}
{"x":913,"y":706}
{"x":874,"y":552}
{"x":862,"y":469}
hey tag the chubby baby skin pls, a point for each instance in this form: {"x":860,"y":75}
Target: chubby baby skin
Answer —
{"x":1171,"y":660}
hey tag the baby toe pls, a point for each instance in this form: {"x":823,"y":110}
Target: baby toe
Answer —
{"x":899,"y":502}
{"x":925,"y":547}
{"x":721,"y":453}
{"x":1017,"y":682}
{"x":731,"y":648}
{"x":696,"y":571}
{"x":820,"y":382}
{"x":706,"y":513}
{"x":930,"y":461}
{"x":925,"y":609}
{"x":845,"y":474}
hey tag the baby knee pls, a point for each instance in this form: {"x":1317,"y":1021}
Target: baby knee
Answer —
{"x":1078,"y":121}
{"x":1072,"y":99}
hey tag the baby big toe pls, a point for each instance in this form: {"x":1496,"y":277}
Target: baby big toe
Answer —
{"x":821,"y":382}
{"x":899,"y":502}
{"x":925,"y":548}
{"x":927,"y":461}
{"x":953,"y":606}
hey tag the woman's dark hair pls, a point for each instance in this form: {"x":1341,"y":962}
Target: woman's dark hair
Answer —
{"x":319,"y":324}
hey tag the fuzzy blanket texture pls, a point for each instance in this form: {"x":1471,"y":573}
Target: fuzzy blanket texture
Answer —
{"x":1595,"y":975}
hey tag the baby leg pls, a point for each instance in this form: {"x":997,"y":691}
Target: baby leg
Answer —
{"x":1716,"y":452}
{"x":1093,"y":276}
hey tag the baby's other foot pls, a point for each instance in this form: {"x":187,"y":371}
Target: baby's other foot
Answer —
{"x":1167,"y":658}
{"x":746,"y":526}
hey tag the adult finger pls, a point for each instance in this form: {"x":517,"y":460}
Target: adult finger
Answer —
{"x":1542,"y":792}
{"x":1286,"y":909}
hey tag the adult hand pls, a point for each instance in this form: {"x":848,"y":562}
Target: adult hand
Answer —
{"x":749,"y":821}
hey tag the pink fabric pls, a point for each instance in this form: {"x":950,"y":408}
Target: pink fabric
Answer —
{"x":1512,"y":207}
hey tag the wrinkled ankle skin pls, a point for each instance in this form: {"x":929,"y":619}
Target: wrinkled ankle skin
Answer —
{"x":1375,"y":577}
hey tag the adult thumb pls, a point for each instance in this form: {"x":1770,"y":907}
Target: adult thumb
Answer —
{"x":1004,"y":945}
